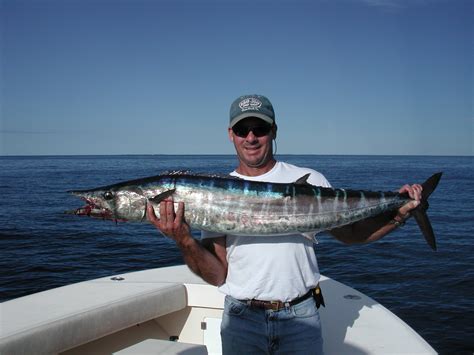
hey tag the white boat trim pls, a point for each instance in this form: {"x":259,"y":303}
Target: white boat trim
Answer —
{"x":138,"y":313}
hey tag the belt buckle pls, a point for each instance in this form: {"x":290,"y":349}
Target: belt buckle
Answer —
{"x":275,"y":305}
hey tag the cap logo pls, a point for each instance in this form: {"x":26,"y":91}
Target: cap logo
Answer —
{"x":250,"y":103}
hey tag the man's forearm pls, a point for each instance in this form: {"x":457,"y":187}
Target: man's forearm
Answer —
{"x":210,"y":263}
{"x":365,"y":231}
{"x":203,"y":262}
{"x":372,"y":229}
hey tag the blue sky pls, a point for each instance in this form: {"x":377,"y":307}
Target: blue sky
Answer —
{"x":158,"y":77}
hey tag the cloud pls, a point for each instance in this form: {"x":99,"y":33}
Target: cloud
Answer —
{"x":397,"y":4}
{"x":392,"y":4}
{"x":12,"y":131}
{"x":40,"y":132}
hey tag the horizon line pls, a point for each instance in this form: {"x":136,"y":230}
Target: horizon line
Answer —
{"x":229,"y":155}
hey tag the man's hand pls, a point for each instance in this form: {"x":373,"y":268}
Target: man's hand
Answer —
{"x":414,"y":191}
{"x":170,"y":224}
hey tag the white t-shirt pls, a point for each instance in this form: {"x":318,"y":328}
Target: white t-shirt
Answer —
{"x":272,"y":267}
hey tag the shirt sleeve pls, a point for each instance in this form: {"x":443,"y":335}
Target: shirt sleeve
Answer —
{"x":318,"y":179}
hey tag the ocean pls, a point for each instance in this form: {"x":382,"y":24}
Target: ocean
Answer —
{"x":41,"y":247}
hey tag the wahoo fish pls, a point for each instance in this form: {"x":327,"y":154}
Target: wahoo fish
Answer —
{"x":229,"y":205}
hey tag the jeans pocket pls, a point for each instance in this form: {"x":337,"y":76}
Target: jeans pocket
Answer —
{"x":234,"y":307}
{"x":305,"y":309}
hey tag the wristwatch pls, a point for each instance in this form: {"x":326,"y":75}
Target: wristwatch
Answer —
{"x":401,"y":221}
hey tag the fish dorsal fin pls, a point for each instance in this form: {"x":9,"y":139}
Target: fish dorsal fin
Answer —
{"x":303,"y":180}
{"x":177,"y":172}
{"x":163,"y":196}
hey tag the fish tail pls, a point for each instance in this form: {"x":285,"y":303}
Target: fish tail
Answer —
{"x":419,"y":213}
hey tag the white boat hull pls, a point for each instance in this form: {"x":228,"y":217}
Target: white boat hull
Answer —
{"x":138,"y":313}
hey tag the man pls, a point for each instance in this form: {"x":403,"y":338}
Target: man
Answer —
{"x":271,"y":283}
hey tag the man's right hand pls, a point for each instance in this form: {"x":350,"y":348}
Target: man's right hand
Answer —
{"x":171,"y":223}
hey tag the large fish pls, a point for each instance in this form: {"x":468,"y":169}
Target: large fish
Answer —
{"x":231,"y":205}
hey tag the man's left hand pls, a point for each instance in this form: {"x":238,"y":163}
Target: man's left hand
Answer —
{"x":414,"y":191}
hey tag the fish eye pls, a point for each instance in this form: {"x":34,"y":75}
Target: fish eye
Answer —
{"x":108,"y":195}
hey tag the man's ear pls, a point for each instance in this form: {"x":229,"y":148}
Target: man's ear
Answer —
{"x":231,"y":136}
{"x":274,"y":131}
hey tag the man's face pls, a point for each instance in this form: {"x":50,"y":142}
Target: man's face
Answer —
{"x":252,"y":138}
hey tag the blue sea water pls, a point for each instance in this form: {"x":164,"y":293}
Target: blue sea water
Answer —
{"x":41,"y":247}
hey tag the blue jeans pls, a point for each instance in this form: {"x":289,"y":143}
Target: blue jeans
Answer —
{"x":292,"y":330}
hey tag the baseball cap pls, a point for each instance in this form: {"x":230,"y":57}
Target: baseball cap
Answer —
{"x":251,"y":106}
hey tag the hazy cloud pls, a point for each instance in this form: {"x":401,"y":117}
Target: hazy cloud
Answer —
{"x":23,"y":131}
{"x":397,"y":4}
{"x":11,"y":131}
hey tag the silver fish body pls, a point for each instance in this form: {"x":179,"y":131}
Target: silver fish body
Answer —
{"x":230,"y":205}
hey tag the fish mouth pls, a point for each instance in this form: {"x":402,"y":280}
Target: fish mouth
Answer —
{"x":92,"y":210}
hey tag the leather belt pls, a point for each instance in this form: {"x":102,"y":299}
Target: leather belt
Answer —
{"x":278,"y":305}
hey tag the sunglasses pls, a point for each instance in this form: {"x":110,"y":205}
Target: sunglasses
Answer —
{"x":261,"y":130}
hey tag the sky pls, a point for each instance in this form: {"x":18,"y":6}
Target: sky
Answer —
{"x":158,"y":76}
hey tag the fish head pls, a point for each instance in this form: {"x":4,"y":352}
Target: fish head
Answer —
{"x":114,"y":203}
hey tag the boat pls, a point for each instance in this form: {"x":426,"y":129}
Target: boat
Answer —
{"x":172,"y":311}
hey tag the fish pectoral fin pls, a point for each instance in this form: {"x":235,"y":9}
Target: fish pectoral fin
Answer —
{"x":311,"y":236}
{"x":303,"y":180}
{"x":163,"y":196}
